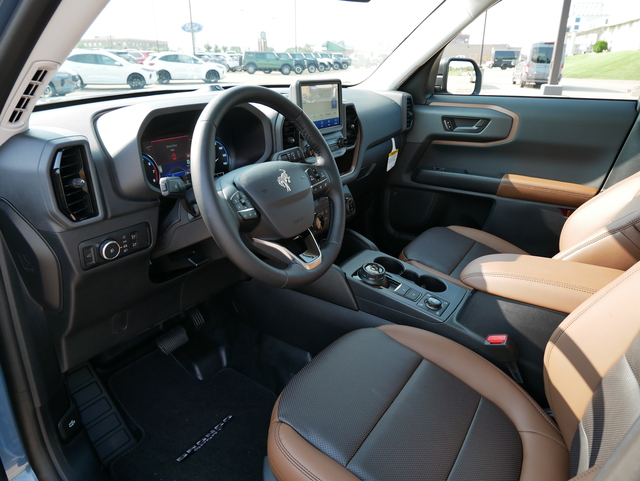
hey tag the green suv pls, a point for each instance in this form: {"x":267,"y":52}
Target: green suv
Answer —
{"x":267,"y":62}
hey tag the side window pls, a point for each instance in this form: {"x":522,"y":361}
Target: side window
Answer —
{"x":83,"y":58}
{"x":270,"y":56}
{"x":104,"y":60}
{"x":514,"y":45}
{"x":261,"y":55}
{"x":169,"y":58}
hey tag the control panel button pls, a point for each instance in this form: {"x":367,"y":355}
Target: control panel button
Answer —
{"x":412,"y":295}
{"x":109,"y":249}
{"x":433,"y":303}
{"x":89,"y":255}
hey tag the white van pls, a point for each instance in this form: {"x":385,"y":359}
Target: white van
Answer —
{"x":534,"y":65}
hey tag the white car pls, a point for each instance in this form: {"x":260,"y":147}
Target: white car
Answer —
{"x":180,"y":66}
{"x":232,"y":61}
{"x":98,"y":67}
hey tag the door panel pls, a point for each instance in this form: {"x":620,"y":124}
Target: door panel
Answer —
{"x":453,"y":176}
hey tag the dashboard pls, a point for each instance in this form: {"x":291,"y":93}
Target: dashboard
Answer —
{"x":131,"y":258}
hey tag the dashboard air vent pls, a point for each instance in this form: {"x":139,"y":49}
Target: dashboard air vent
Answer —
{"x":289,"y":135}
{"x":352,"y":126}
{"x":72,"y":183}
{"x":409,"y":107}
{"x":28,"y":97}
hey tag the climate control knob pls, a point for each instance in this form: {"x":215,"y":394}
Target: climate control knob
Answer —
{"x":109,"y":249}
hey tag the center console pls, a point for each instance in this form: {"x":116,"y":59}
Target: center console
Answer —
{"x":392,"y":289}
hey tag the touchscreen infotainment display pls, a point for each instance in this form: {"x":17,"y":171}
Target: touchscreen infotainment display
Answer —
{"x":321,"y":100}
{"x":173,"y":156}
{"x":321,"y":103}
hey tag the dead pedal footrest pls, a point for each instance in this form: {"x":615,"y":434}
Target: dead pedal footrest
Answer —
{"x":172,"y":340}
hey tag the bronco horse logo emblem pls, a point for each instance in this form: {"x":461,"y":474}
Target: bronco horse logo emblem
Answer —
{"x":284,"y":180}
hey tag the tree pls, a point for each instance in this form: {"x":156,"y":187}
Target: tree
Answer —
{"x":235,"y":49}
{"x":600,"y":46}
{"x":207,"y":47}
{"x":216,"y":49}
{"x":224,"y":48}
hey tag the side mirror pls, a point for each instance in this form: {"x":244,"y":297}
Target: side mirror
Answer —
{"x":459,"y":76}
{"x":118,"y":64}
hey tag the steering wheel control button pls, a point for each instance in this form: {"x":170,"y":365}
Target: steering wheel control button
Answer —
{"x":373,"y":273}
{"x":109,"y":249}
{"x":115,"y":245}
{"x":318,"y":178}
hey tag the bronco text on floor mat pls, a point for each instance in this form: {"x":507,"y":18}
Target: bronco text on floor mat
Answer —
{"x":207,"y":437}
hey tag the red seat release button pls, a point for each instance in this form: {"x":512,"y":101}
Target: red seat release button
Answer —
{"x":497,"y":339}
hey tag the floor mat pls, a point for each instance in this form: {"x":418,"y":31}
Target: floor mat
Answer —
{"x":181,"y":415}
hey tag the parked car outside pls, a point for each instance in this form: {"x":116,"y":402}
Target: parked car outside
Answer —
{"x":99,"y":67}
{"x":232,"y":61}
{"x":534,"y":66}
{"x":298,"y":65}
{"x":180,"y":66}
{"x":125,"y":54}
{"x":341,"y":60}
{"x":360,"y":60}
{"x":330,"y":61}
{"x":62,"y":83}
{"x":323,"y":63}
{"x":267,"y":62}
{"x":139,"y":55}
{"x":312,"y":63}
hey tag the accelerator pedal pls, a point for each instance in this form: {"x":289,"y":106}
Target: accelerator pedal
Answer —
{"x":196,"y":317}
{"x":172,"y":340}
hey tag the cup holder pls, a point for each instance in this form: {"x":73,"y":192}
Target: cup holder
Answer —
{"x":411,"y":276}
{"x":432,"y":284}
{"x":391,"y":265}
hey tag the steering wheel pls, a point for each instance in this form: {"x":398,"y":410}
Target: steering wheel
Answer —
{"x":268,"y":208}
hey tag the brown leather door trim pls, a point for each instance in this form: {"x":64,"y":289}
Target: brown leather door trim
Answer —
{"x":544,"y":190}
{"x":512,"y":133}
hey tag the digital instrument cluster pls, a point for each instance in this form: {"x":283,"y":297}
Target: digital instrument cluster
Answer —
{"x":171,"y":157}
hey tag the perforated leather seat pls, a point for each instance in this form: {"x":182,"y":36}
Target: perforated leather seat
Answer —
{"x":398,"y":402}
{"x":604,"y":231}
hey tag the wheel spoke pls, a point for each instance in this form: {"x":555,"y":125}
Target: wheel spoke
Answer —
{"x":307,"y":251}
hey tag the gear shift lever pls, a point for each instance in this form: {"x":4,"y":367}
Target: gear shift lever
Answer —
{"x":373,"y":274}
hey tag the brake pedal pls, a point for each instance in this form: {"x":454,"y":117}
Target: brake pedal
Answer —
{"x":196,"y":317}
{"x":172,"y":340}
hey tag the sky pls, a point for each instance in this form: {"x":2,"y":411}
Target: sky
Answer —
{"x":239,"y":22}
{"x":372,"y":26}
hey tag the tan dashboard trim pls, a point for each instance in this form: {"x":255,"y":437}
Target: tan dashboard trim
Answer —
{"x":512,"y":133}
{"x":544,"y":190}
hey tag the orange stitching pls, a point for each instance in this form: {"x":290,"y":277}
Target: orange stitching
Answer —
{"x":290,"y":457}
{"x":539,"y":280}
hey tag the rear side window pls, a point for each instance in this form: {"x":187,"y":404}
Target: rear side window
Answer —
{"x":83,"y":58}
{"x":541,"y":54}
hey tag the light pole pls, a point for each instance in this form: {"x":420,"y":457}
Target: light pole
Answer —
{"x":193,"y":35}
{"x":295,"y":24}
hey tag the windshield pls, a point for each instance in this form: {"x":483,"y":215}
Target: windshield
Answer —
{"x":239,"y":42}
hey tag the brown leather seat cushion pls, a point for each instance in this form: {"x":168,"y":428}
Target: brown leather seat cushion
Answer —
{"x":398,"y":402}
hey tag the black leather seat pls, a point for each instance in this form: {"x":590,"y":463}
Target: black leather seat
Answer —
{"x":398,"y":402}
